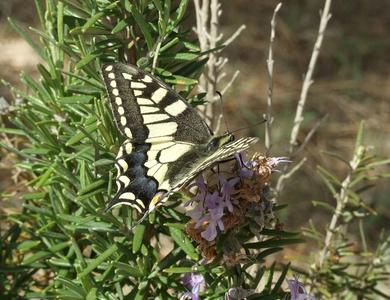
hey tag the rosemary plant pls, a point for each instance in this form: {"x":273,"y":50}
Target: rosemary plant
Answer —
{"x":62,"y":244}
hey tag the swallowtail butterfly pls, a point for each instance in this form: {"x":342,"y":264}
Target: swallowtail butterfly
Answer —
{"x":167,"y":143}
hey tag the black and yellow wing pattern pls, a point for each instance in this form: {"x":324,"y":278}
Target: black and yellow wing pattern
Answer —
{"x":167,"y":142}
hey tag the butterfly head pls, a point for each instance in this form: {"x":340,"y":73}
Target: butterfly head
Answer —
{"x":218,"y":141}
{"x":227,"y":137}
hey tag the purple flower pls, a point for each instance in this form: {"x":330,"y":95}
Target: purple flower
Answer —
{"x":298,"y":290}
{"x":211,"y":206}
{"x":213,"y":216}
{"x":192,"y":282}
{"x":197,"y":212}
{"x":246,"y":166}
{"x":273,"y":162}
{"x":227,"y":188}
{"x":202,"y":189}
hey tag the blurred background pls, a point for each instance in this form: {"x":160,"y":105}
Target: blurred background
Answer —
{"x":351,"y":83}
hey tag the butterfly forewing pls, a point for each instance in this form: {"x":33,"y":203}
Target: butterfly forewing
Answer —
{"x":147,"y":110}
{"x":201,"y":163}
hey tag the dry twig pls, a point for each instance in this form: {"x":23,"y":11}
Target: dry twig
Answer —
{"x":270,"y":69}
{"x":307,"y":82}
{"x":311,"y":133}
{"x":342,"y":199}
{"x":208,"y":13}
{"x":289,"y":174}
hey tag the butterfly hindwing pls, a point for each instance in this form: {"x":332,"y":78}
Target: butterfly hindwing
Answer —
{"x":134,"y":186}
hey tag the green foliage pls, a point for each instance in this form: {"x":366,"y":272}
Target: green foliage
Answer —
{"x":63,"y":244}
{"x":345,"y":269}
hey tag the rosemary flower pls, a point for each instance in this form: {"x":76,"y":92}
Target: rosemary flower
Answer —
{"x":298,"y":290}
{"x":223,"y":201}
{"x":192,"y":282}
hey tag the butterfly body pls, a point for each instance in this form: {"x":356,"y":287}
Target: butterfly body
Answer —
{"x":167,"y":142}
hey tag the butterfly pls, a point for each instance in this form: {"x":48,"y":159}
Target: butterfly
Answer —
{"x":167,"y":143}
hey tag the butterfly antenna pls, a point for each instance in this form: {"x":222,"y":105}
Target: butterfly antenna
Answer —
{"x":250,"y":126}
{"x":222,"y":110}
